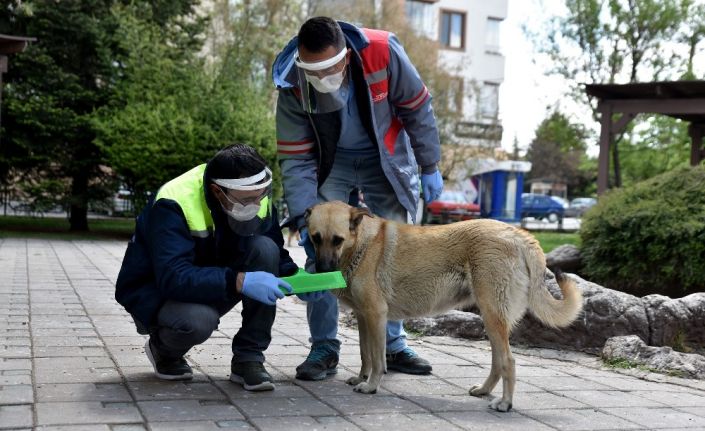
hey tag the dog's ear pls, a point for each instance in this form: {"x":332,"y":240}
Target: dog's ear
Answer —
{"x":356,"y":215}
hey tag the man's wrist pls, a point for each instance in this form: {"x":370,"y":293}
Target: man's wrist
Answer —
{"x":239,"y":281}
{"x":429,"y":169}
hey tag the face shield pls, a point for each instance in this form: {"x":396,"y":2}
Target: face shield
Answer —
{"x":324,"y":85}
{"x":248,"y":202}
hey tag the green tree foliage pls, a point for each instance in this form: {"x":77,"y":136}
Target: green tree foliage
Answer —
{"x":56,"y":85}
{"x":650,"y":237}
{"x":658,"y":145}
{"x":557,"y":153}
{"x":620,"y":41}
{"x":169,"y":115}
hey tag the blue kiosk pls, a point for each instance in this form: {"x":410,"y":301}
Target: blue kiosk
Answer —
{"x":497,"y":186}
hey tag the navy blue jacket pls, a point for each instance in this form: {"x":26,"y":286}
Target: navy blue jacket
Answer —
{"x":164,"y":261}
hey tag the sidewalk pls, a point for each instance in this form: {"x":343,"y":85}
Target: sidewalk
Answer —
{"x":70,"y":359}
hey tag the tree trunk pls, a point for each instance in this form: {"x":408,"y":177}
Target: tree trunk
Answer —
{"x":79,"y":203}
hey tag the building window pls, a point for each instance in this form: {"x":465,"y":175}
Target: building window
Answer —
{"x":452,"y":29}
{"x":455,"y":94}
{"x":489,"y":95}
{"x":421,"y":17}
{"x":492,"y":35}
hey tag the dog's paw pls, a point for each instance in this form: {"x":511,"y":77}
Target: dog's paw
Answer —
{"x":356,"y":380}
{"x":478,"y":391}
{"x":365,"y":388}
{"x":501,"y":405}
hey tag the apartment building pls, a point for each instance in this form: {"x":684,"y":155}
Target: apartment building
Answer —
{"x":468,"y":34}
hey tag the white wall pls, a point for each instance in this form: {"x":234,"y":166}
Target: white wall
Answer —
{"x":475,"y":63}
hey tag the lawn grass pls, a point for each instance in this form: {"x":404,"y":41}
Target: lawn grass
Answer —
{"x":58,"y":228}
{"x":551,"y":240}
{"x":122,"y":228}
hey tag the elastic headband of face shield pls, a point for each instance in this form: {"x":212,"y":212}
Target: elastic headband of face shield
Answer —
{"x":262,"y":221}
{"x":314,"y":101}
{"x":321,"y":65}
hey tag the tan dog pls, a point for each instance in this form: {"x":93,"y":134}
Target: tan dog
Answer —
{"x":397,"y":271}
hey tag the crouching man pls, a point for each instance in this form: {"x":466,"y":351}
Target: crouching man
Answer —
{"x":208,"y":240}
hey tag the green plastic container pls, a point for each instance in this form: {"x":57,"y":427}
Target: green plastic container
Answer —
{"x":303,"y":282}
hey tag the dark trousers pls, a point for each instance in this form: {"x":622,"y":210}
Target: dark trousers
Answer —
{"x":182,"y":325}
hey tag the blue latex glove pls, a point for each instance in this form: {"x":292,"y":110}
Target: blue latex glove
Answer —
{"x":311,"y":296}
{"x":264,"y":287}
{"x":432,"y":185}
{"x":307,"y":244}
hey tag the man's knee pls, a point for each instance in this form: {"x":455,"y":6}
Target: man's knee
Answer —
{"x":196,"y":324}
{"x":262,"y":254}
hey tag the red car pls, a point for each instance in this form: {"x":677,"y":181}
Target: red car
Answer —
{"x":451,"y":206}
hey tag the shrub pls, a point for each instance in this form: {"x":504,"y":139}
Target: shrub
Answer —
{"x":649,"y":238}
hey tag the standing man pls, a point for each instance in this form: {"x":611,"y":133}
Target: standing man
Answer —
{"x":209,"y":240}
{"x":352,"y":113}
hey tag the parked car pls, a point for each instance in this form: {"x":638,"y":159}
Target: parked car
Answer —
{"x":451,"y":206}
{"x":578,"y":206}
{"x":541,"y":207}
{"x":121,"y":203}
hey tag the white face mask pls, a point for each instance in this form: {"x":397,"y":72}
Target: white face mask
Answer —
{"x":327,"y":84}
{"x":241,"y":212}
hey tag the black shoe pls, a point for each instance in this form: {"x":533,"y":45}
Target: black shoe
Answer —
{"x":407,"y":361}
{"x":321,"y":362}
{"x":251,"y":375}
{"x":168,"y":369}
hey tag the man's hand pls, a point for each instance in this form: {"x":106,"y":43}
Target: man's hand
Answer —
{"x":262,"y":286}
{"x":432,"y":185}
{"x":307,"y":244}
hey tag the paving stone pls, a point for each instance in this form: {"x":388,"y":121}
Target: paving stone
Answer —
{"x":580,"y":419}
{"x":188,"y":410}
{"x":15,"y":416}
{"x":75,"y":370}
{"x":451,"y":371}
{"x":164,"y":390}
{"x":489,"y":420}
{"x":634,"y":384}
{"x":283,"y":406}
{"x":681,"y":399}
{"x":610,"y":398}
{"x":76,"y":428}
{"x":409,"y":422}
{"x":373,"y":404}
{"x":202,"y":426}
{"x":48,"y":392}
{"x":15,"y":352}
{"x":541,"y":400}
{"x":305,"y":423}
{"x":283,"y":390}
{"x":448,"y":403}
{"x":698,"y":411}
{"x":16,"y":394}
{"x":86,"y":412}
{"x":16,"y":377}
{"x":567,"y":383}
{"x":56,"y":352}
{"x":15,"y":364}
{"x":69,"y":341}
{"x":422,"y":386}
{"x":653,"y":418}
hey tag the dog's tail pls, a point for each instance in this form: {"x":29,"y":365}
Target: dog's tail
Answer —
{"x":549,"y":310}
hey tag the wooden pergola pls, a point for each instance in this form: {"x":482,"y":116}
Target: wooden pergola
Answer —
{"x":618,"y":104}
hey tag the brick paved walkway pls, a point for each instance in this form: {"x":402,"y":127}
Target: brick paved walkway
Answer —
{"x":71,"y":360}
